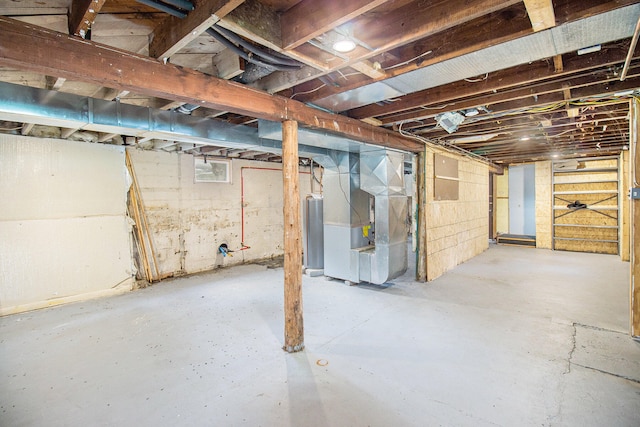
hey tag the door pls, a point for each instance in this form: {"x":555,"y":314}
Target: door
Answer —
{"x":522,"y":200}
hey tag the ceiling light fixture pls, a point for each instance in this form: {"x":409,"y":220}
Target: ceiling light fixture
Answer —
{"x":344,"y":45}
{"x":525,"y":138}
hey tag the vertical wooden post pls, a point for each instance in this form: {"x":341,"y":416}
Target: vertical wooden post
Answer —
{"x":634,"y":297}
{"x":421,"y":235}
{"x":293,"y":324}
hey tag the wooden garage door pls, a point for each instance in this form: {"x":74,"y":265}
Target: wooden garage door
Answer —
{"x":585,"y":205}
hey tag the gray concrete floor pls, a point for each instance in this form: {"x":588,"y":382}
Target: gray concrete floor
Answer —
{"x":514,"y":337}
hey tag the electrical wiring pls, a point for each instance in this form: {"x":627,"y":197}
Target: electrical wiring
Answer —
{"x":344,"y":76}
{"x":408,"y":61}
{"x":309,"y":91}
{"x":443,"y":145}
{"x":486,"y":76}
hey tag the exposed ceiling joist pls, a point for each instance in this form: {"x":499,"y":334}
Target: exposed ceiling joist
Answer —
{"x":416,"y":23}
{"x":311,"y":18}
{"x":82,"y":60}
{"x":541,"y":14}
{"x":175,"y":33}
{"x":82,"y":14}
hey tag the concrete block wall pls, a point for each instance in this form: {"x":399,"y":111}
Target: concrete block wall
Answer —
{"x":457,"y":230}
{"x":190,"y":220}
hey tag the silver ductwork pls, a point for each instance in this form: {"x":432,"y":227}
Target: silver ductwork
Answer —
{"x":364,"y":206}
{"x":51,"y":108}
{"x":382,"y":176}
{"x":365,"y":212}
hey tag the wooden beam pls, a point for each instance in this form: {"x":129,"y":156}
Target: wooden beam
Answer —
{"x":372,"y":70}
{"x":37,"y":49}
{"x":497,"y":81}
{"x":311,"y":18}
{"x":541,"y":14}
{"x":260,"y":23}
{"x":54,"y":83}
{"x":634,"y":291}
{"x":82,"y":14}
{"x":293,"y":321}
{"x":228,"y":64}
{"x":27,"y":128}
{"x":416,"y":24}
{"x":420,"y":22}
{"x":175,"y":33}
{"x":587,"y":85}
{"x":488,"y":30}
{"x":558,"y":66}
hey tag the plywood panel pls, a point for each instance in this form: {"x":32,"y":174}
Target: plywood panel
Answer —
{"x":594,"y":228}
{"x":456,"y":229}
{"x":543,"y":205}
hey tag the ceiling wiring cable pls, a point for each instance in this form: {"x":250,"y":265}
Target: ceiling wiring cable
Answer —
{"x":407,"y":61}
{"x":266,"y":56}
{"x":446,"y":146}
{"x":486,"y":76}
{"x":248,"y":57}
{"x":308,"y":91}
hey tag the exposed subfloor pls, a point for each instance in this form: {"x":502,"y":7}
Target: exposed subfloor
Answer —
{"x":513,"y":337}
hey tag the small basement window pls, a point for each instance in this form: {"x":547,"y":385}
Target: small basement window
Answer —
{"x":446,"y":182}
{"x":212,"y":170}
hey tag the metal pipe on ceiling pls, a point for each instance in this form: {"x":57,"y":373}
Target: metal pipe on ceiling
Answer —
{"x":163,"y":8}
{"x":233,"y":37}
{"x":241,"y":53}
{"x":180,"y":4}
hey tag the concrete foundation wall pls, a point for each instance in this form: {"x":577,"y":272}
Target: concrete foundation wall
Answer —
{"x":65,"y":233}
{"x":189,"y":221}
{"x":457,"y":230}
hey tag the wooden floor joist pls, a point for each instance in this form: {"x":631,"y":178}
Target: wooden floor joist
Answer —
{"x":29,"y":47}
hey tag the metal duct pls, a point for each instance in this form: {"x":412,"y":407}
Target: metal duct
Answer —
{"x":355,"y":248}
{"x":382,"y":175}
{"x":599,"y":29}
{"x":45,"y":107}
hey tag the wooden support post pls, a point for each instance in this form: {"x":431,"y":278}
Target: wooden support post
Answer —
{"x":293,"y":324}
{"x":634,"y":297}
{"x":421,"y":194}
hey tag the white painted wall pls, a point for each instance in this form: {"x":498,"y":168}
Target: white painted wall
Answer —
{"x":63,"y":225}
{"x":64,"y":231}
{"x":190,"y":220}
